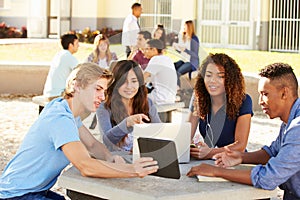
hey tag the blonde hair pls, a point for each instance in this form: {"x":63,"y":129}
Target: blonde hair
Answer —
{"x":96,"y":51}
{"x":84,"y":74}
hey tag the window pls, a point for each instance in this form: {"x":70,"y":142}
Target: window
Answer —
{"x":5,"y":4}
{"x":156,"y":12}
{"x":284,"y":26}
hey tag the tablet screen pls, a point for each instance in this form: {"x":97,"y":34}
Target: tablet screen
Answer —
{"x":164,"y":152}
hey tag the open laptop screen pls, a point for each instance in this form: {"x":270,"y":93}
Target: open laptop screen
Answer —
{"x":180,"y":133}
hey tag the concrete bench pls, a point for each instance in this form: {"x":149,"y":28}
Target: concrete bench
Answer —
{"x":165,"y":110}
{"x":41,"y":101}
{"x":23,"y":78}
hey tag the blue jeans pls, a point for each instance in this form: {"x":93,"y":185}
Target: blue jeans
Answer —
{"x":127,"y":51}
{"x":44,"y":195}
{"x":182,"y":68}
{"x":289,"y":196}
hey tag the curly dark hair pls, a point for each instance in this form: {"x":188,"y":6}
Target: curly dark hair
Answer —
{"x":234,"y":85}
{"x":284,"y":75}
{"x":114,"y":99}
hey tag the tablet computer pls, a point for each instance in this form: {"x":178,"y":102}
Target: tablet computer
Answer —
{"x":164,"y":152}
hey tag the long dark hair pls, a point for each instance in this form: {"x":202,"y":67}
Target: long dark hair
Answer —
{"x":114,"y":99}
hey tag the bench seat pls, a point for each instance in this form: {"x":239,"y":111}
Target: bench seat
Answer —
{"x":41,"y":101}
{"x":165,"y":110}
{"x":170,"y":107}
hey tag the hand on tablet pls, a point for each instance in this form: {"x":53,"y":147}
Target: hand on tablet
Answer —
{"x":145,"y":166}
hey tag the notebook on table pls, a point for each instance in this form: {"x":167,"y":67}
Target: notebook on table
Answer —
{"x":180,"y":133}
{"x":164,"y":152}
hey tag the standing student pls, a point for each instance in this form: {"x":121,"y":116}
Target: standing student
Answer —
{"x":131,"y":28}
{"x":54,"y":141}
{"x":279,"y":163}
{"x":161,"y":73}
{"x":222,"y":108}
{"x":101,"y":54}
{"x":61,"y":66}
{"x":188,"y":47}
{"x":126,"y":104}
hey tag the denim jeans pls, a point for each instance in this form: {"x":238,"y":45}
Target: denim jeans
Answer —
{"x":44,"y":195}
{"x":289,"y":196}
{"x":182,"y":68}
{"x":127,"y":51}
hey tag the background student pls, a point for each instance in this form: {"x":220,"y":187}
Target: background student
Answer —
{"x":161,"y":73}
{"x":53,"y":141}
{"x":101,"y":54}
{"x":188,"y":47}
{"x":222,"y":108}
{"x":138,"y":52}
{"x":126,"y":104}
{"x":131,"y":28}
{"x":61,"y":66}
{"x":160,"y":34}
{"x":279,"y":163}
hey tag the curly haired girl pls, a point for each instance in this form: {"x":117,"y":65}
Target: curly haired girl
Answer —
{"x":222,"y":108}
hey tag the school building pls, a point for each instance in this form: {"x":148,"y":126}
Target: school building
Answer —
{"x":240,"y":24}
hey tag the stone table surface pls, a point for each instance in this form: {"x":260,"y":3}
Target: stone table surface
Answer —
{"x":153,"y":187}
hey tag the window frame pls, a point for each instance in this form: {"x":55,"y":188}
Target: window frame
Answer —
{"x":155,"y":15}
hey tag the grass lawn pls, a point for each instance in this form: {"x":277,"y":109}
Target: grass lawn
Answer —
{"x":249,"y":60}
{"x":252,"y":61}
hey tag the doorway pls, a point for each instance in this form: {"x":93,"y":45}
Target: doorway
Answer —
{"x":37,"y":19}
{"x":59,"y":17}
{"x":226,"y":23}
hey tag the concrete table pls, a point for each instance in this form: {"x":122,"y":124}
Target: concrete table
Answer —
{"x":153,"y":187}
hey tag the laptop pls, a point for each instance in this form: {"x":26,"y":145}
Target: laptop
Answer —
{"x":164,"y":152}
{"x":180,"y":133}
